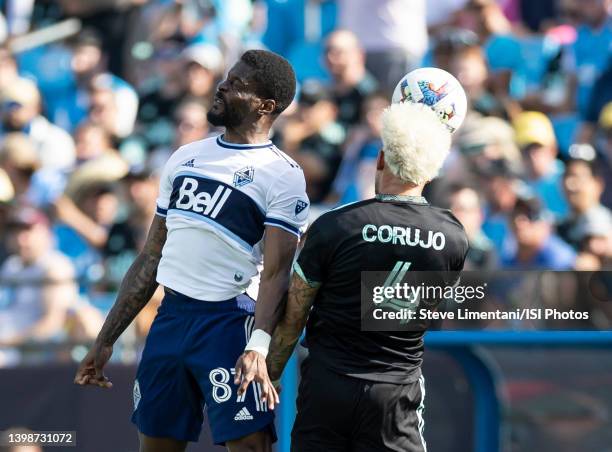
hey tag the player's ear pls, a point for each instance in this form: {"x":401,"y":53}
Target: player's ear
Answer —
{"x":267,"y":107}
{"x":380,"y":160}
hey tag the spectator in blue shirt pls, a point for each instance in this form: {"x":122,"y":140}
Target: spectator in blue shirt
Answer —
{"x":536,"y":138}
{"x":603,"y":138}
{"x":88,"y":73}
{"x":588,"y":55}
{"x":537,"y":246}
{"x":354,"y":180}
{"x":502,"y":48}
{"x":584,"y":185}
{"x":466,"y":205}
{"x":296,"y":29}
{"x":502,"y":185}
{"x":601,"y":97}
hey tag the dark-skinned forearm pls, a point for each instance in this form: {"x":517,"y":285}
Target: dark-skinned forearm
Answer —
{"x":279,"y":250}
{"x":299,"y":301}
{"x":269,"y":312}
{"x":137,"y":286}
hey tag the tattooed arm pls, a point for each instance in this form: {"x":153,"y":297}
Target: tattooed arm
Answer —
{"x":137,"y":288}
{"x":299,"y":301}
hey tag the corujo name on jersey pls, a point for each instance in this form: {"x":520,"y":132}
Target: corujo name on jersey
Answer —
{"x":403,"y":235}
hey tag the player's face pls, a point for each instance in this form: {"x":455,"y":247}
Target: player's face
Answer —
{"x":582,"y":188}
{"x":234,"y":102}
{"x":529,"y":232}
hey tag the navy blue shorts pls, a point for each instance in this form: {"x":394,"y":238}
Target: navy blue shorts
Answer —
{"x":188,"y":365}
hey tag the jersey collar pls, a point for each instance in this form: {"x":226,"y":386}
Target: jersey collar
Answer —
{"x":401,"y":198}
{"x":221,"y":142}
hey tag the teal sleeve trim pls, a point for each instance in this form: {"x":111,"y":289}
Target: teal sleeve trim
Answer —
{"x":297,"y":269}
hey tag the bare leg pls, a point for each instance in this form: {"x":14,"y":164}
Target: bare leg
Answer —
{"x":255,"y":442}
{"x":151,"y":444}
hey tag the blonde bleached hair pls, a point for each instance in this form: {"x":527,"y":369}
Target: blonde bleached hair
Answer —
{"x":415,"y":142}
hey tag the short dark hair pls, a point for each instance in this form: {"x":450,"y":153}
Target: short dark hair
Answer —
{"x":273,"y":76}
{"x":86,"y":37}
{"x":455,"y":187}
{"x":532,"y":207}
{"x":452,"y":188}
{"x":594,"y":165}
{"x":454,"y":40}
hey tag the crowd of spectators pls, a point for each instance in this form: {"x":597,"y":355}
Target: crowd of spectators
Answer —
{"x":88,"y":118}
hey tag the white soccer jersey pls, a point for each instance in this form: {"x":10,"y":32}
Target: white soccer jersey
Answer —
{"x":217,"y":198}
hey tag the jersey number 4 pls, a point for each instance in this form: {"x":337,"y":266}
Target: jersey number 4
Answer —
{"x":395,"y":277}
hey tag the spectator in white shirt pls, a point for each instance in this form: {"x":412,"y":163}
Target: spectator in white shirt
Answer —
{"x":21,"y":106}
{"x":37,"y":281}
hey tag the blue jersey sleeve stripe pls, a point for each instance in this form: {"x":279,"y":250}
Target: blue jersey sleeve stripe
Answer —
{"x":282,"y":224}
{"x":161,"y":212}
{"x":297,"y":234}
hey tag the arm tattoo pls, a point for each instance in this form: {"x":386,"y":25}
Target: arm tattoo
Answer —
{"x":137,"y":286}
{"x":299,"y":301}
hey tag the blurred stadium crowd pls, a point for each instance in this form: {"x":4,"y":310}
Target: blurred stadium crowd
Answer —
{"x":89,"y":116}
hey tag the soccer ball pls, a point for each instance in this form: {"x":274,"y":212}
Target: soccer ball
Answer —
{"x":437,"y":89}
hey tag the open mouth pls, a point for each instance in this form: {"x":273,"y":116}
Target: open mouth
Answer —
{"x":218,"y":100}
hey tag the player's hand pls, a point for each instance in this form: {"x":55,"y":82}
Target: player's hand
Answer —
{"x":90,"y":371}
{"x":251,"y":366}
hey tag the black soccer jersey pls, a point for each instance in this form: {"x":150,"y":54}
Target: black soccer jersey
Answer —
{"x":359,"y":237}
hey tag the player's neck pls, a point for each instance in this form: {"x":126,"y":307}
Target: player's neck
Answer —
{"x":392,"y":187}
{"x":253,"y":136}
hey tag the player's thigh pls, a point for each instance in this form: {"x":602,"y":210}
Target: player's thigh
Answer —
{"x":390,"y":418}
{"x":255,"y":442}
{"x":325,"y":408}
{"x":168,"y":402}
{"x":151,"y":444}
{"x":215,"y":351}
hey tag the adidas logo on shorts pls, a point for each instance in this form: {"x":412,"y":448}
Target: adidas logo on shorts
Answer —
{"x":243,"y":415}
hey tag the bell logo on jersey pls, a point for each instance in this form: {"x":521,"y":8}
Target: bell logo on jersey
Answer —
{"x":190,"y":198}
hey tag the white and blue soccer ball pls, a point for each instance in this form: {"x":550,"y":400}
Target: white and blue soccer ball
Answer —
{"x":437,"y":89}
